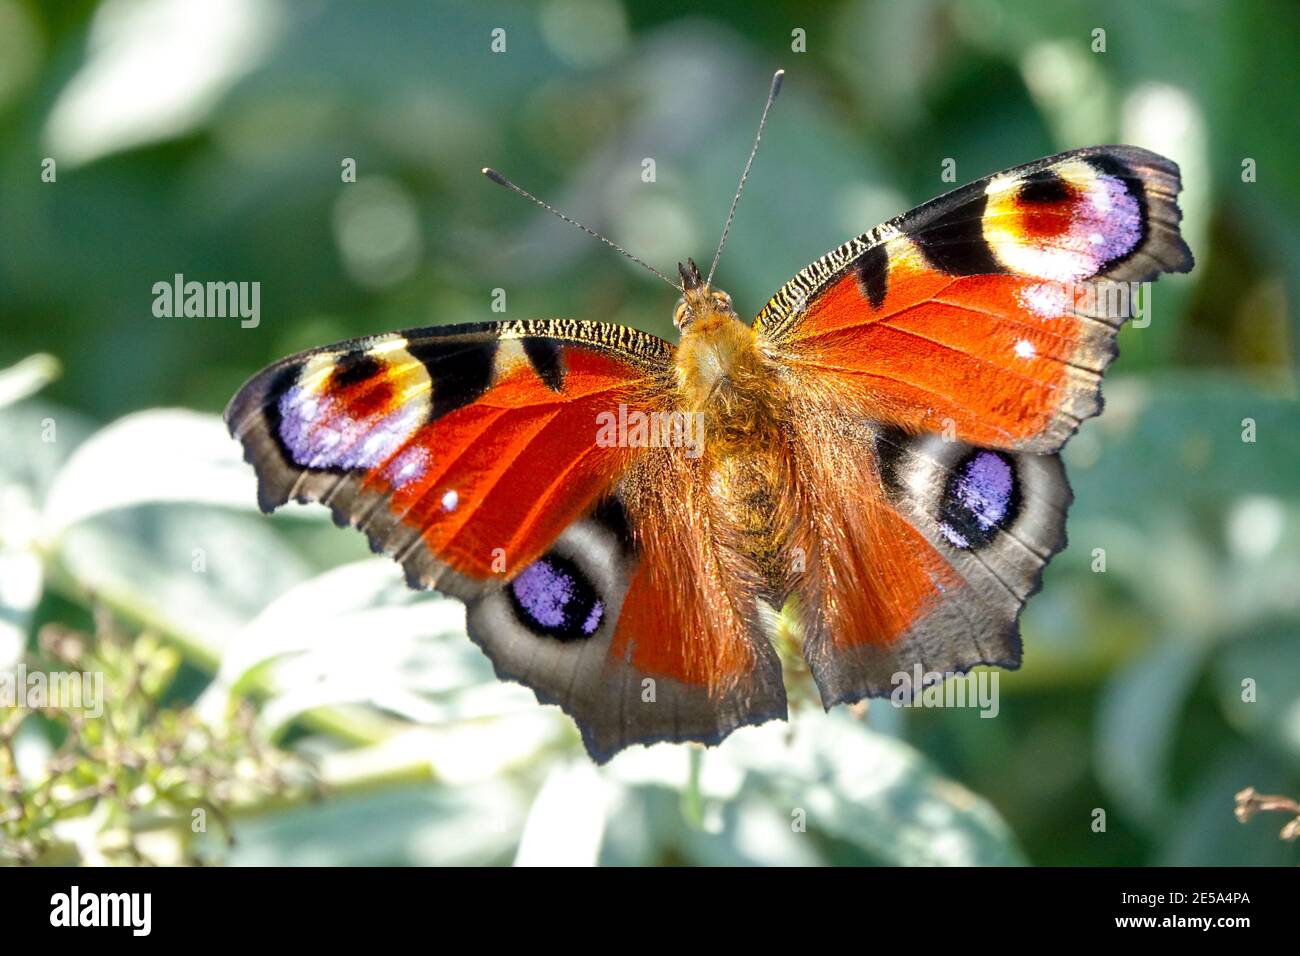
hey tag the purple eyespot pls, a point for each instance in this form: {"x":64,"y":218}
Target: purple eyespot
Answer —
{"x":553,"y":598}
{"x":980,"y":498}
{"x":543,"y":591}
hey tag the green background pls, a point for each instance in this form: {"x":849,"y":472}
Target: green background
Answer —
{"x":208,"y":139}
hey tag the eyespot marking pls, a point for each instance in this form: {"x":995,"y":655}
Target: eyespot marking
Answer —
{"x":980,"y":499}
{"x":552,"y":598}
{"x":1044,"y":187}
{"x":353,"y":409}
{"x":353,"y":368}
{"x":1064,"y":224}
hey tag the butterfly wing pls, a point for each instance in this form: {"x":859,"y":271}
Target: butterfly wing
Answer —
{"x":936,"y":365}
{"x":991,"y":312}
{"x":473,"y":455}
{"x":913,"y":550}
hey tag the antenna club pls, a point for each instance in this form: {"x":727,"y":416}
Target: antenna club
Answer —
{"x":495,"y":176}
{"x":777,"y":77}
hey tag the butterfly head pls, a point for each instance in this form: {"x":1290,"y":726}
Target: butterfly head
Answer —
{"x":700,"y":304}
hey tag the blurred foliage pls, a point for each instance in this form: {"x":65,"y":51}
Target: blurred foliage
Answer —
{"x":206,"y":137}
{"x":129,"y":781}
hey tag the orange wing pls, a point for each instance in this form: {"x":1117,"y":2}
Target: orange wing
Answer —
{"x":935,"y":366}
{"x":990,"y":313}
{"x":462,"y":451}
{"x":474,"y":455}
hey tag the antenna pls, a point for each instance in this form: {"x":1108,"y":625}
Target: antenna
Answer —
{"x":771,"y":97}
{"x":500,"y":180}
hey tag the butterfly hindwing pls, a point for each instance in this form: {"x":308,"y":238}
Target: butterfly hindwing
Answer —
{"x":471,"y":454}
{"x":917,"y":551}
{"x":938,"y":363}
{"x":624,"y":625}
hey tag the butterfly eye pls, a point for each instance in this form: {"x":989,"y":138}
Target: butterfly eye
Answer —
{"x":722,"y":301}
{"x":679,"y":314}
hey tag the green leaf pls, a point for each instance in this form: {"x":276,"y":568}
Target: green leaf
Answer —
{"x":1139,"y":714}
{"x":159,"y":455}
{"x":36,"y":440}
{"x":426,"y":825}
{"x":884,"y":797}
{"x":357,"y":634}
{"x":27,"y":377}
{"x":567,"y":820}
{"x":1270,"y":712}
{"x":198,"y":573}
{"x":1176,"y":442}
{"x":819,"y":790}
{"x":21,"y":580}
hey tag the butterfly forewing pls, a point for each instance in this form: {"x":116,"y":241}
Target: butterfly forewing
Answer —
{"x":991,"y":312}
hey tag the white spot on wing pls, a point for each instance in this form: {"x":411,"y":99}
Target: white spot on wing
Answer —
{"x":1047,"y":300}
{"x":509,"y":356}
{"x":409,"y":465}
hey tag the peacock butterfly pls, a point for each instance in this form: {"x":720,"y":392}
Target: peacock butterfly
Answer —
{"x":877,"y":453}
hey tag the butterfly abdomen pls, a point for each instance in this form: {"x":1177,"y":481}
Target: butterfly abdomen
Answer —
{"x":724,"y":376}
{"x":746,"y":488}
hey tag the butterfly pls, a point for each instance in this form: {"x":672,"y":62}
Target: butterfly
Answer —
{"x":875,"y":456}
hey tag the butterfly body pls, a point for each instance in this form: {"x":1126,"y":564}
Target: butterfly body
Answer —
{"x":877,"y":454}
